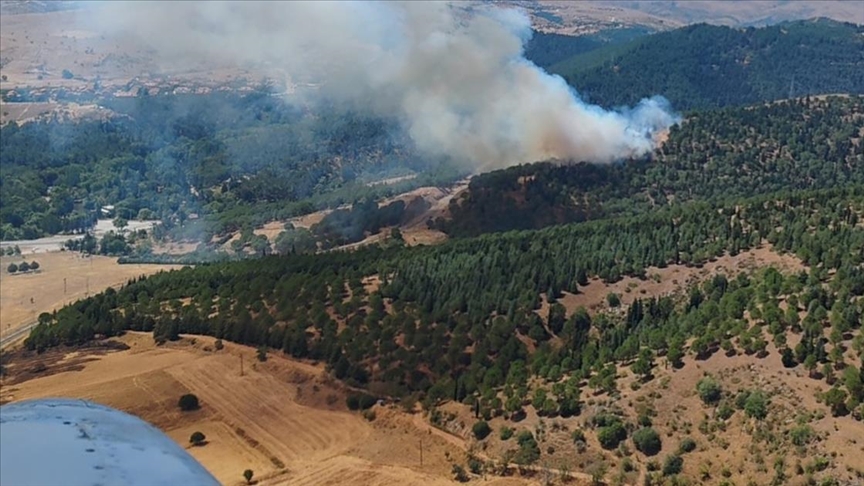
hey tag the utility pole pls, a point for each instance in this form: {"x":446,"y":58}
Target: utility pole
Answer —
{"x":64,"y":285}
{"x":421,"y":452}
{"x":241,"y":365}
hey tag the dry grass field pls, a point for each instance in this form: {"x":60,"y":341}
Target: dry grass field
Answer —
{"x":46,"y":287}
{"x":283,"y":419}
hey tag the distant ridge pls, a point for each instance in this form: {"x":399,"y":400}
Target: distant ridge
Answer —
{"x":707,"y":66}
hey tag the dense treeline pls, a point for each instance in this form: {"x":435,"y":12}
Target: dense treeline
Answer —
{"x":722,"y":154}
{"x":703,"y":66}
{"x":231,"y":159}
{"x":546,"y":49}
{"x":454,"y":319}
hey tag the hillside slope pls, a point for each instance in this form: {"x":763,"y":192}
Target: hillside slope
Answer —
{"x":734,"y":152}
{"x":702,"y":66}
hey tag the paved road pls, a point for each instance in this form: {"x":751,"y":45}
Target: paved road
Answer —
{"x":17,"y":334}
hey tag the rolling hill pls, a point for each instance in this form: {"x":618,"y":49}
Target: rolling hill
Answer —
{"x":705,"y":66}
{"x":712,"y":155}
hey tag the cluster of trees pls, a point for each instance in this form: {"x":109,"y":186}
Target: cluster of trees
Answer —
{"x":112,"y":243}
{"x":23,"y":267}
{"x":233,"y":160}
{"x":708,"y":66}
{"x":715,"y":155}
{"x":345,"y":226}
{"x":452,"y":321}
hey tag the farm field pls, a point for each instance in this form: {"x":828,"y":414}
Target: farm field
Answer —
{"x":83,"y":276}
{"x":283,"y":419}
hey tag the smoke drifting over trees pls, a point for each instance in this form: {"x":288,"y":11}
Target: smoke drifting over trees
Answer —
{"x":454,"y":77}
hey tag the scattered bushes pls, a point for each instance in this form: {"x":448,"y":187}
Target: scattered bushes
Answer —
{"x":505,"y":433}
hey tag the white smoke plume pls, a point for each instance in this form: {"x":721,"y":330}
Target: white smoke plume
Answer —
{"x":455,"y":77}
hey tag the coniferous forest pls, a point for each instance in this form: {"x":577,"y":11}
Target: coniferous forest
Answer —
{"x":708,"y":66}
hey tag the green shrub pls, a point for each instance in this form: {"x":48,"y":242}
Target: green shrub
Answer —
{"x":197,"y":438}
{"x":801,"y":435}
{"x":673,"y":465}
{"x":687,"y":445}
{"x":360,"y":401}
{"x":756,"y":405}
{"x":647,"y":441}
{"x":481,"y":430}
{"x":611,"y":435}
{"x":188,"y":402}
{"x":709,"y":390}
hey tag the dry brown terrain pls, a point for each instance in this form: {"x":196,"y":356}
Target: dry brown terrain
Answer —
{"x":283,"y":419}
{"x":679,"y":413}
{"x":83,"y":276}
{"x":36,"y":47}
{"x":587,"y":17}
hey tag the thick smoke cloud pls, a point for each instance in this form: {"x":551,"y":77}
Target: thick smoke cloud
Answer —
{"x":455,"y":77}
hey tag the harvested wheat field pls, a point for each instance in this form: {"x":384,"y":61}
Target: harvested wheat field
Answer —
{"x":283,"y":419}
{"x":83,"y":276}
